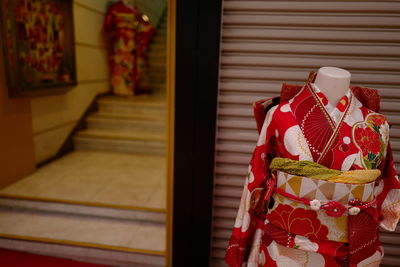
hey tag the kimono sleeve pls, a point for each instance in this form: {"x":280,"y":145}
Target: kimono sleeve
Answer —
{"x":109,"y":21}
{"x":252,"y":206}
{"x":388,"y":193}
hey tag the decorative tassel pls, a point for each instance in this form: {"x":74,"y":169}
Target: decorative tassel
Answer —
{"x":315,"y":204}
{"x":354,"y":210}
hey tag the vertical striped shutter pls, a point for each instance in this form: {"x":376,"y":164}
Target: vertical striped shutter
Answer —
{"x":267,"y":42}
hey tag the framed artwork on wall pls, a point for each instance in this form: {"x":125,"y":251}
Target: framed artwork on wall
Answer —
{"x":38,"y":44}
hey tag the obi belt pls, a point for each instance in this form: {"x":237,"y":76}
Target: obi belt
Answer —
{"x":339,"y":219}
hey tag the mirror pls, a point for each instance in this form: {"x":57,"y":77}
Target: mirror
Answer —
{"x":103,"y":149}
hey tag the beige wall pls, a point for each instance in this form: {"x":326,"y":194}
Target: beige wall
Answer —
{"x":53,"y":117}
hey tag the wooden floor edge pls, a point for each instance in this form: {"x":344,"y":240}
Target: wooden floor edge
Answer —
{"x":82,"y":203}
{"x":81,"y":244}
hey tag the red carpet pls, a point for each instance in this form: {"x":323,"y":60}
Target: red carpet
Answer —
{"x":10,"y":258}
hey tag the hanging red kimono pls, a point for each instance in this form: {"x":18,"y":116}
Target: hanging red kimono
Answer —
{"x":145,"y":33}
{"x":278,"y":223}
{"x":124,"y":25}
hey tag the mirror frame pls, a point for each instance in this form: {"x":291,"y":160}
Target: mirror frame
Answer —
{"x":171,"y":36}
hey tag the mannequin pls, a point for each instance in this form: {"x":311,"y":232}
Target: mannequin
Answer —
{"x":287,"y":217}
{"x":333,"y":83}
{"x":128,"y":36}
{"x":127,"y":3}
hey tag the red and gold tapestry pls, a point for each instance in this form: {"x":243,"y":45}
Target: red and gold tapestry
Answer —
{"x":40,"y":49}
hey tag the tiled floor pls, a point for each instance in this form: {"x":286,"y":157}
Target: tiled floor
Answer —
{"x":98,"y":177}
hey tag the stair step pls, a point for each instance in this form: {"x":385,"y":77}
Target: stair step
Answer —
{"x":157,"y":54}
{"x":133,"y":146}
{"x":132,"y":106}
{"x":157,"y":77}
{"x":160,"y":76}
{"x":158,"y":64}
{"x":158,"y":43}
{"x":85,"y":238}
{"x":138,"y":117}
{"x":158,"y":47}
{"x":159,"y":39}
{"x":159,"y":68}
{"x":158,"y":73}
{"x":121,"y":213}
{"x":99,"y":121}
{"x":158,"y":58}
{"x":150,"y":136}
{"x":162,"y":30}
{"x":146,"y":101}
{"x":158,"y":86}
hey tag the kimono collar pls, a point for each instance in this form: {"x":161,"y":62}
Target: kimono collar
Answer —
{"x":320,"y":128}
{"x":335,"y":112}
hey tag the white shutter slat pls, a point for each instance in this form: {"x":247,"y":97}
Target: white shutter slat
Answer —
{"x":227,"y":203}
{"x":240,"y":86}
{"x":293,"y":61}
{"x":386,"y":104}
{"x":389,"y":238}
{"x":240,"y":112}
{"x":228,"y":158}
{"x":237,"y":135}
{"x":237,"y":181}
{"x":272,"y":89}
{"x":395,"y":144}
{"x":236,"y":123}
{"x":225,"y":213}
{"x":336,"y":49}
{"x":266,"y":43}
{"x":312,"y":20}
{"x":311,"y":6}
{"x":222,"y":233}
{"x":232,"y":147}
{"x":223,"y":223}
{"x":348,"y":35}
{"x":232,"y":192}
{"x":296,"y":75}
{"x":393,"y":117}
{"x":220,"y":243}
{"x":231,"y":170}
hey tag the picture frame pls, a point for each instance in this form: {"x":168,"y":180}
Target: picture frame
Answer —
{"x":38,"y":46}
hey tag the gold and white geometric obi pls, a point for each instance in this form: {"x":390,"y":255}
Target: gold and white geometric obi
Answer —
{"x":316,"y":189}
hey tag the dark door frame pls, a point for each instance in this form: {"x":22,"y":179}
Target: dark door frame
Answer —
{"x":198,"y":24}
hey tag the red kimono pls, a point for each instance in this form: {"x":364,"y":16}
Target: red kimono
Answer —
{"x":272,"y":229}
{"x":129,"y":36}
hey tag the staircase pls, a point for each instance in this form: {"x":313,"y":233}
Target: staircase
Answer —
{"x":129,"y":125}
{"x":132,"y":125}
{"x":105,"y":234}
{"x":158,"y":59}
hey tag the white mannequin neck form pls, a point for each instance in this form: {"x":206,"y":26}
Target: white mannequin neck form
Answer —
{"x":127,"y":3}
{"x":333,"y":83}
